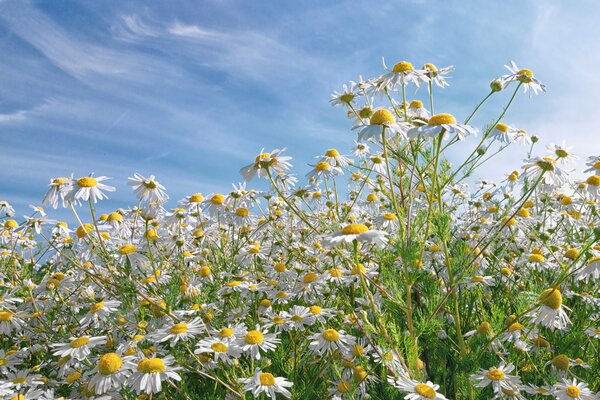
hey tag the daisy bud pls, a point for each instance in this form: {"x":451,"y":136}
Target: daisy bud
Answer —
{"x":496,"y":85}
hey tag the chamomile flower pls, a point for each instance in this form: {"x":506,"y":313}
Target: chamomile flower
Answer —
{"x":58,"y":189}
{"x":345,"y":97}
{"x":551,"y":312}
{"x":331,"y":339}
{"x":525,"y":77}
{"x":89,"y":188}
{"x":323,"y":169}
{"x":381,"y":120}
{"x":416,"y":390}
{"x":436,"y":75}
{"x":504,"y":133}
{"x":498,"y":377}
{"x":267,"y":383}
{"x":402,"y":73}
{"x":442,"y":123}
{"x":184,"y":330}
{"x":150,"y":372}
{"x":256,"y":340}
{"x":335,"y":159}
{"x":222,"y":349}
{"x":358,"y":232}
{"x":571,"y":390}
{"x":594,"y":165}
{"x":78,"y":347}
{"x":417,"y":110}
{"x":111,"y":372}
{"x":147,"y":189}
{"x":274,"y":162}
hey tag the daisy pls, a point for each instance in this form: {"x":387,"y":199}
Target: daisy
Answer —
{"x":362,"y":150}
{"x":417,"y":110}
{"x":300,"y":317}
{"x":358,"y":232}
{"x":594,"y":165}
{"x":58,"y":188}
{"x":593,"y":332}
{"x":264,"y":382}
{"x":111,"y":372}
{"x":255,"y":340}
{"x":273,"y":161}
{"x":402,"y":72}
{"x":442,"y":123}
{"x":551,"y":313}
{"x":525,"y":77}
{"x":180,"y":331}
{"x":498,"y":378}
{"x":222,"y":349}
{"x":569,"y":390}
{"x":147,"y":189}
{"x":417,"y":390}
{"x":346,"y":97}
{"x":99,"y":312}
{"x":437,"y":75}
{"x":335,"y":159}
{"x":504,"y":133}
{"x":591,"y":270}
{"x":10,"y":321}
{"x":89,"y":188}
{"x":78,"y":347}
{"x":331,"y":339}
{"x":151,"y":372}
{"x":323,"y":169}
{"x":381,"y":120}
{"x":553,"y":175}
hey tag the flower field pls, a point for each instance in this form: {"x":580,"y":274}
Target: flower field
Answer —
{"x":387,"y":272}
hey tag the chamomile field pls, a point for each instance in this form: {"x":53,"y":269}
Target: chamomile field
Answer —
{"x":386,"y":272}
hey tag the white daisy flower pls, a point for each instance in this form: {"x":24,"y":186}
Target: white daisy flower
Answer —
{"x":335,"y":159}
{"x":151,"y":372}
{"x":525,"y":76}
{"x":99,"y":312}
{"x":147,"y":189}
{"x":594,"y":165}
{"x":78,"y":347}
{"x":498,"y":377}
{"x":89,"y":188}
{"x":273,"y":161}
{"x":358,"y":232}
{"x":551,"y":312}
{"x":323,"y":169}
{"x":402,"y":73}
{"x":180,"y":331}
{"x":380,"y":120}
{"x":417,"y":390}
{"x":10,"y":321}
{"x":111,"y":372}
{"x":504,"y":133}
{"x":437,"y":75}
{"x":571,"y":390}
{"x":254,"y":341}
{"x":417,"y":110}
{"x":58,"y":188}
{"x":330,"y":340}
{"x":442,"y":123}
{"x":264,"y":382}
{"x":222,"y":350}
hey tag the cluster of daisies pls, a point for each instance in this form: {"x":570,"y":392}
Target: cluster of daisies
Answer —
{"x":388,"y":274}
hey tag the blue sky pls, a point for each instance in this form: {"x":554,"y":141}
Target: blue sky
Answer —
{"x":191,"y":91}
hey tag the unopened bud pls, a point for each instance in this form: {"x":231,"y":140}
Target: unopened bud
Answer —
{"x":496,"y":85}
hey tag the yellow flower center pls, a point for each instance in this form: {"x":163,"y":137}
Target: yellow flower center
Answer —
{"x":525,"y":75}
{"x":217,"y":199}
{"x":357,"y":350}
{"x":403,"y":66}
{"x":60,"y":181}
{"x":416,"y":104}
{"x":495,"y":374}
{"x":226,"y":332}
{"x":77,"y":343}
{"x":331,"y":335}
{"x":322,"y":166}
{"x":196,"y":198}
{"x":389,"y":217}
{"x":254,"y":337}
{"x":344,"y":387}
{"x":279,"y":267}
{"x":18,"y":397}
{"x":536,"y":258}
{"x":430,"y":67}
{"x":5,"y":315}
{"x":335,"y":272}
{"x":97,"y":307}
{"x":310,"y":277}
{"x":332,"y":153}
{"x":546,"y":164}
{"x":266,"y":379}
{"x":382,"y":117}
{"x":561,"y":362}
{"x":593,"y":180}
{"x":425,"y":391}
{"x":354,"y":229}
{"x":127,"y":249}
{"x":114,"y":216}
{"x":179,"y":328}
{"x":219,"y":347}
{"x":242,"y":212}
{"x":442,"y":119}
{"x":83,"y":230}
{"x":477,"y":279}
{"x":573,"y":392}
{"x":484,"y":328}
{"x":572,"y":253}
{"x":87,"y":182}
{"x":502,"y":127}
{"x":315,"y":310}
{"x":551,"y":298}
{"x":151,"y":366}
{"x":109,"y":363}
{"x":11,"y":224}
{"x":515,"y":327}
